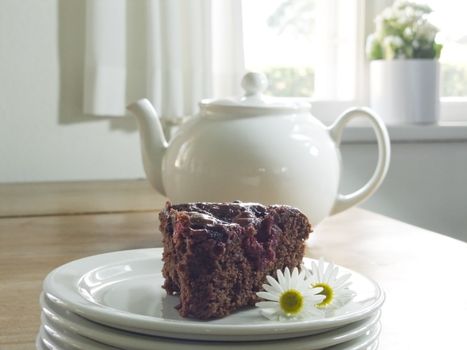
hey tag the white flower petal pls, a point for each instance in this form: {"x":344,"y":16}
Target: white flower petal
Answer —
{"x":333,"y":275}
{"x":341,"y":280}
{"x":320,"y":269}
{"x":270,"y":314}
{"x":316,"y":290}
{"x":274,"y":284}
{"x":301,"y":279}
{"x":318,"y":298}
{"x":314,"y":270}
{"x":287,"y":278}
{"x":303,"y":285}
{"x":311,"y":309}
{"x":268,"y":296}
{"x":271,"y":289}
{"x":328,"y":272}
{"x":309,"y":294}
{"x":344,"y":286}
{"x":281,"y":279}
{"x":295,"y":276}
{"x":267,"y":304}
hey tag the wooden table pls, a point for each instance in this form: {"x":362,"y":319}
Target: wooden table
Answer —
{"x":45,"y":225}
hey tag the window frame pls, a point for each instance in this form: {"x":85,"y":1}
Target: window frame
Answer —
{"x":452,"y":109}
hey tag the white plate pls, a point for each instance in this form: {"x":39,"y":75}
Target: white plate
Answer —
{"x":58,"y":339}
{"x":369,"y":341}
{"x":61,"y":339}
{"x":47,"y":342}
{"x":60,"y":319}
{"x":39,"y":344}
{"x":123,"y":290}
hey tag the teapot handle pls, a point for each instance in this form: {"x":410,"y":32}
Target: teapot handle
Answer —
{"x":346,"y":201}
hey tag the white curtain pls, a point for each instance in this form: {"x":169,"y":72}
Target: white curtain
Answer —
{"x":194,"y":50}
{"x":339,"y":49}
{"x":341,"y":72}
{"x":105,"y":58}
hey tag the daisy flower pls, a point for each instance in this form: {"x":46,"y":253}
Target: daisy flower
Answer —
{"x":290,"y":296}
{"x":335,"y":289}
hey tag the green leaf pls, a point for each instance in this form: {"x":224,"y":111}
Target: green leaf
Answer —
{"x":437,"y":48}
{"x":375,"y":50}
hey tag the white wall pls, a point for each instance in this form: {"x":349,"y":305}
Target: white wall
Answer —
{"x":43,"y":132}
{"x":426,"y":184}
{"x":44,"y":135}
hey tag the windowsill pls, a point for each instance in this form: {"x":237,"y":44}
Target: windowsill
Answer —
{"x":442,"y":132}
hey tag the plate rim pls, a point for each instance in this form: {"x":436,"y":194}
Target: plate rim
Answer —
{"x":110,"y":316}
{"x":370,"y":341}
{"x":62,"y":322}
{"x":358,"y":343}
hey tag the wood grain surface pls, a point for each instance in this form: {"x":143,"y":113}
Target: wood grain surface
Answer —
{"x":422,"y":273}
{"x":51,"y":198}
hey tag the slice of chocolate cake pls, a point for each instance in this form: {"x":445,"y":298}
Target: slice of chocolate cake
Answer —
{"x":217,"y":255}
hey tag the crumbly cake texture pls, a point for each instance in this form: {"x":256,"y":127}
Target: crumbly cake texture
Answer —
{"x":217,"y":255}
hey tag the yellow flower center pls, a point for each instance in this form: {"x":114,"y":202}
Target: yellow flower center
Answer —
{"x":328,"y":293}
{"x":291,"y":302}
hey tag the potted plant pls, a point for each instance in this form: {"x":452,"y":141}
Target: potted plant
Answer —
{"x":404,"y":67}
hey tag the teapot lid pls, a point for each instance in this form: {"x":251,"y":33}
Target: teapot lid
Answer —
{"x":253,"y":102}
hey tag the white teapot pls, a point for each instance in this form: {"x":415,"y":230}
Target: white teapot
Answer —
{"x":255,"y":149}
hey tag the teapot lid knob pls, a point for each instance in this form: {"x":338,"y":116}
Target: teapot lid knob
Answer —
{"x":254,"y":84}
{"x":253,"y":102}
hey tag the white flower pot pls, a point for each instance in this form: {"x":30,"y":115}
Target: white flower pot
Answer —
{"x":405,"y":91}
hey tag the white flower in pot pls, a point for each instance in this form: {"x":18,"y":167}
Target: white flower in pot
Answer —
{"x":404,"y":68}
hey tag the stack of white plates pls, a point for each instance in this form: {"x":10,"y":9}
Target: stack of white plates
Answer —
{"x":115,"y":301}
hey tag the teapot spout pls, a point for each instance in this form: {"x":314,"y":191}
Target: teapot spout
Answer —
{"x":153,"y":142}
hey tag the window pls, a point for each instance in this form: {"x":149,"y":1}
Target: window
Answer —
{"x":315,"y":49}
{"x":307,"y":48}
{"x":288,"y":25}
{"x":449,"y":17}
